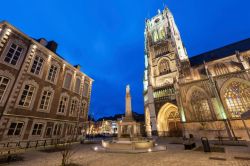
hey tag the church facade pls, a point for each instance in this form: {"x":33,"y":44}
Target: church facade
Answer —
{"x":204,"y":95}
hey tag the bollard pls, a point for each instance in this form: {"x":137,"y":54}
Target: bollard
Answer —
{"x":205,"y":143}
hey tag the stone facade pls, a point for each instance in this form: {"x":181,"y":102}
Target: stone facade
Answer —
{"x":42,"y":96}
{"x":204,"y":95}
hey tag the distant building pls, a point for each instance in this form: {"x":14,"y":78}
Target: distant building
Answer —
{"x":42,"y":96}
{"x":200,"y":95}
{"x":109,"y":125}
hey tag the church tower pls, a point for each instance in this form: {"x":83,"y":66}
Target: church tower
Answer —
{"x":165,"y":57}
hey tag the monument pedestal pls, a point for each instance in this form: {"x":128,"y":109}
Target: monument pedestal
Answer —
{"x":128,"y":129}
{"x":129,"y":137}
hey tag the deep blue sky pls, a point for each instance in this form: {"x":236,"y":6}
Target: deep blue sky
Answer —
{"x":106,"y":37}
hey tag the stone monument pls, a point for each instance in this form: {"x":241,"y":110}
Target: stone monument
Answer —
{"x":129,"y":138}
{"x":128,"y":128}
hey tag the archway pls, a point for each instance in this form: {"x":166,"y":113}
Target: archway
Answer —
{"x":168,"y":121}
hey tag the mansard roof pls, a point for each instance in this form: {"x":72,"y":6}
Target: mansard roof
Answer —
{"x":222,"y":52}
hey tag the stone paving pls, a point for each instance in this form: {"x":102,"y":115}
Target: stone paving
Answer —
{"x":175,"y":155}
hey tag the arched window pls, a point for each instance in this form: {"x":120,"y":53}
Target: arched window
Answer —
{"x":162,"y":33}
{"x":199,"y":103}
{"x":164,"y":67}
{"x":237,"y":98}
{"x":155,"y":36}
{"x":220,"y":69}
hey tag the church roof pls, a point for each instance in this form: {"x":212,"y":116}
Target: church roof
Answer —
{"x":222,"y":52}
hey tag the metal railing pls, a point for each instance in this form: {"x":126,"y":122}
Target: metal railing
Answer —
{"x":13,"y":147}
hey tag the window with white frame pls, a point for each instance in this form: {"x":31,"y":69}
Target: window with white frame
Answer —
{"x":85,"y":89}
{"x":57,"y":129}
{"x":63,"y":104}
{"x":78,"y":85}
{"x":70,"y":129}
{"x":73,"y":107}
{"x":13,"y":54}
{"x":4,"y":82}
{"x":83,"y":109}
{"x":52,"y":73}
{"x":26,"y":96}
{"x":37,"y":65}
{"x":37,"y":129}
{"x":48,"y":132}
{"x":67,"y":80}
{"x":15,"y":129}
{"x":45,"y":100}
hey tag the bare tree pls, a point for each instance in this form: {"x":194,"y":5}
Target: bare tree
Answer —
{"x":67,"y":153}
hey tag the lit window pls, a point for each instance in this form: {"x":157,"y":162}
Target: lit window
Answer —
{"x":67,"y":80}
{"x":4,"y":82}
{"x":52,"y":73}
{"x":37,"y":129}
{"x":13,"y":54}
{"x":164,"y":67}
{"x":45,"y":101}
{"x":162,"y":33}
{"x":237,"y":96}
{"x":37,"y":65}
{"x":155,"y":36}
{"x":63,"y":104}
{"x":73,"y":108}
{"x":27,"y":94}
{"x":15,"y":129}
{"x":78,"y":85}
{"x":201,"y":109}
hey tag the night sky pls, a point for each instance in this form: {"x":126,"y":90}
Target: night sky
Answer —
{"x":107,"y":37}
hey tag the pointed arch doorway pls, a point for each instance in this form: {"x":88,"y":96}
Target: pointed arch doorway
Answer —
{"x":168,"y":121}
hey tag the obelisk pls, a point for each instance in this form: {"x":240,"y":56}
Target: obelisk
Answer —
{"x":128,"y":111}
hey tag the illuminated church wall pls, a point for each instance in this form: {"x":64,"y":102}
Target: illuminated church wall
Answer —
{"x":206,"y":89}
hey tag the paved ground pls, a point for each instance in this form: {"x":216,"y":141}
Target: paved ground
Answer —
{"x":175,"y":155}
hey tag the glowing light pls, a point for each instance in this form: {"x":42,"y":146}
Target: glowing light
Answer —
{"x":96,"y":148}
{"x":156,"y":144}
{"x":149,"y":150}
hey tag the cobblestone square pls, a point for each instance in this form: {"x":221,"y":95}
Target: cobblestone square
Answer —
{"x":174,"y":155}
